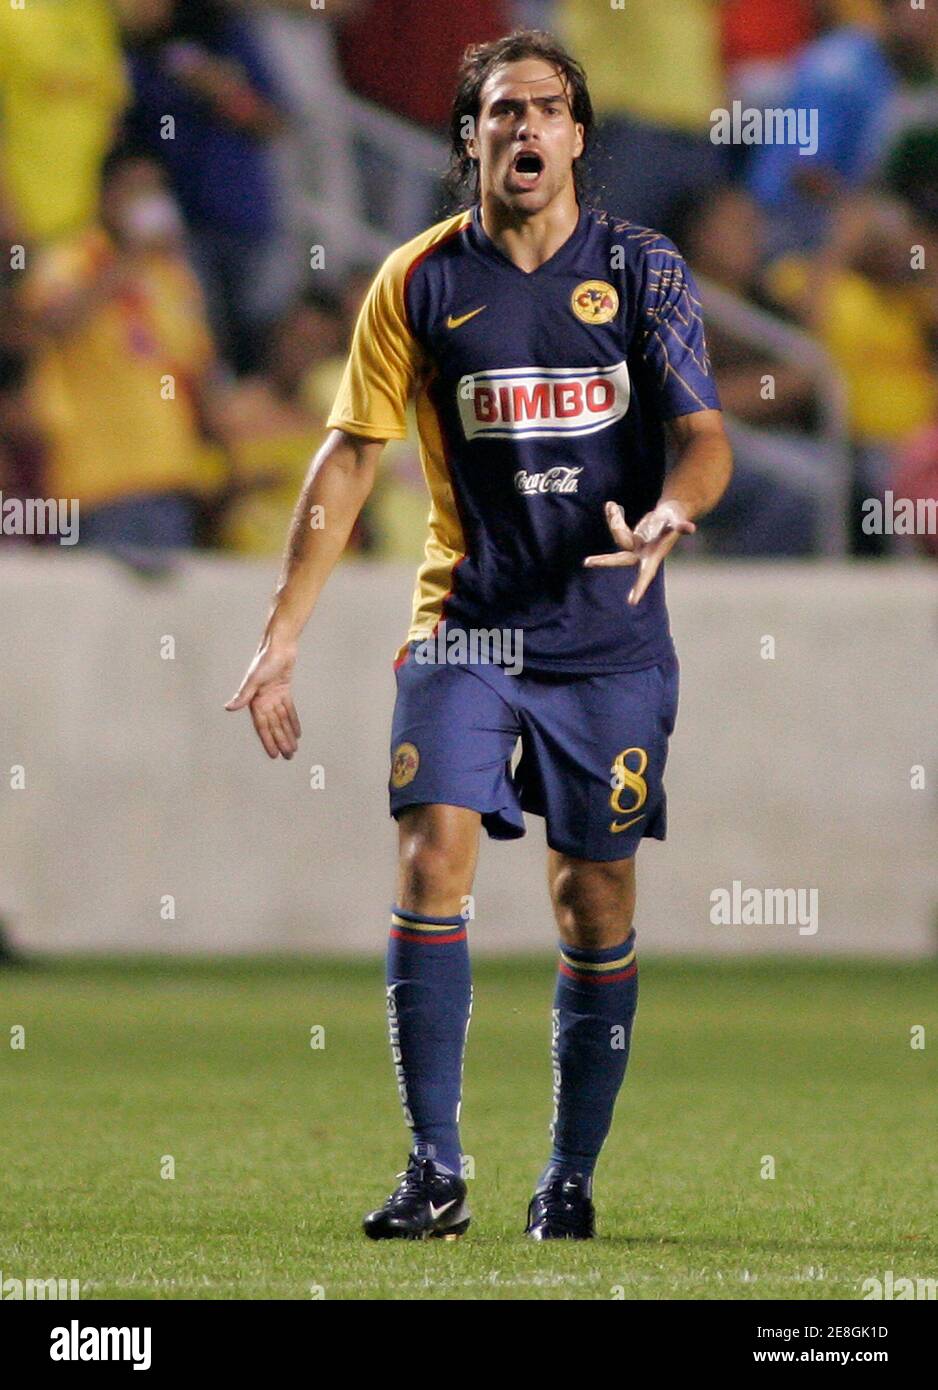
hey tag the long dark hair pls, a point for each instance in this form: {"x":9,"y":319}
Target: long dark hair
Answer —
{"x":479,"y":62}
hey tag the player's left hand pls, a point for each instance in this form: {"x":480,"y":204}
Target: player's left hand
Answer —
{"x":646,"y":544}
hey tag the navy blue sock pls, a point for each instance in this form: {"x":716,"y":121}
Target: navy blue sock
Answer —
{"x":429,"y":1002}
{"x":595,"y":1002}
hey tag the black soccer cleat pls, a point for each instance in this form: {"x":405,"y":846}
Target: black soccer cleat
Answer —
{"x":427,"y":1203}
{"x":562,"y":1210}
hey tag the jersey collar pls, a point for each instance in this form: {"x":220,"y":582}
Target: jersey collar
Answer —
{"x":483,"y":243}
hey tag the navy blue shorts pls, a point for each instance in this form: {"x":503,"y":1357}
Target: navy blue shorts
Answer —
{"x":593,"y":750}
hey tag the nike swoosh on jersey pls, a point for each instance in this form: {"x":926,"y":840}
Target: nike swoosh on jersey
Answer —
{"x":453,"y":322}
{"x":624,"y":825}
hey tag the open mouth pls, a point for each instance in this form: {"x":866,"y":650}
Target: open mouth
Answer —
{"x":527,"y":166}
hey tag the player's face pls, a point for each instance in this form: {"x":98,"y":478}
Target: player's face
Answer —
{"x":526,"y":138}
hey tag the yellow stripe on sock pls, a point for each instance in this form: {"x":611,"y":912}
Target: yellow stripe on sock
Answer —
{"x":404,"y":922}
{"x":598,"y":965}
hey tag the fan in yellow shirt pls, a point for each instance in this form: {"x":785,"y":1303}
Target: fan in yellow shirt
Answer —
{"x":656,"y":75}
{"x":273,"y":423}
{"x":62,"y":89}
{"x":871,"y":297}
{"x":874,"y":313}
{"x":123,"y":370}
{"x":273,"y":426}
{"x":658,"y":61}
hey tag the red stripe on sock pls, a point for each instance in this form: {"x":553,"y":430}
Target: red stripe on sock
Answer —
{"x":429,"y":938}
{"x":600,"y":977}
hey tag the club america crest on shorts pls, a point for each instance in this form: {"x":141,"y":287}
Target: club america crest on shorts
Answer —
{"x":404,"y":764}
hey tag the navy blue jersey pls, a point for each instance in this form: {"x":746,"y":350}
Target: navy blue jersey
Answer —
{"x":539,"y":396}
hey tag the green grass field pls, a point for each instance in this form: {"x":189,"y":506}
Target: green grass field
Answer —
{"x":279,"y":1147}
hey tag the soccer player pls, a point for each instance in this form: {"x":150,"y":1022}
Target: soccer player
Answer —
{"x":553,"y":351}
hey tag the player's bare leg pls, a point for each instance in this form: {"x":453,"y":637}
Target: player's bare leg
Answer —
{"x":592,"y":1023}
{"x":429,"y":1001}
{"x":438,"y":852}
{"x":593,"y":903}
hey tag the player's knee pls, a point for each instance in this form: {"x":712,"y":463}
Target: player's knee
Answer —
{"x":433,"y":871}
{"x":593,"y":903}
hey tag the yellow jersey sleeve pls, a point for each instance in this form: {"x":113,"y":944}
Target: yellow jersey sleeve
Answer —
{"x":383,"y":361}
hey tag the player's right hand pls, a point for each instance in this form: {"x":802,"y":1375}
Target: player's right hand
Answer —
{"x":266,"y":689}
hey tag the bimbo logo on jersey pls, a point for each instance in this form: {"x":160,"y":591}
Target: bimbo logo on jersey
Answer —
{"x":538,"y":402}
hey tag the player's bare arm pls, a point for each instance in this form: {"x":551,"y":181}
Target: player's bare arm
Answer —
{"x":694,"y":486}
{"x":339,"y":481}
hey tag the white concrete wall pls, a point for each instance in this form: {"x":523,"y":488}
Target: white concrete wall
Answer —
{"x":792,"y":772}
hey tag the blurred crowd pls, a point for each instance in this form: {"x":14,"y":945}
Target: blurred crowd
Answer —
{"x":165,"y":361}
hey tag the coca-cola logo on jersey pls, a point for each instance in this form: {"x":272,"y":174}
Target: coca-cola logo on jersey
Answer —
{"x":538,"y":402}
{"x":554,"y":480}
